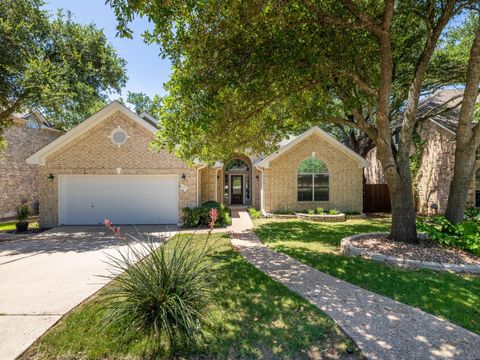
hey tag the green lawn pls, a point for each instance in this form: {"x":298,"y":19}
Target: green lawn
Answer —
{"x":10,"y":225}
{"x":254,"y":318}
{"x":453,"y":297}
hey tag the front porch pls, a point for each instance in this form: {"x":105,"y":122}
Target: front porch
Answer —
{"x":235,"y":183}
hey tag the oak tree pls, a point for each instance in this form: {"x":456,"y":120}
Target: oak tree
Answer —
{"x":245,"y":73}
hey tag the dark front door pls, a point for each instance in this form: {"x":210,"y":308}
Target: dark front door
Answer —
{"x":237,"y":189}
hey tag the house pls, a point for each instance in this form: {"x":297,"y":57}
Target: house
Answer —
{"x":104,"y":168}
{"x":18,"y":180}
{"x":436,"y":148}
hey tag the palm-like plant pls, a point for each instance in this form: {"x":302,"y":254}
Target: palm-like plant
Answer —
{"x":161,"y":290}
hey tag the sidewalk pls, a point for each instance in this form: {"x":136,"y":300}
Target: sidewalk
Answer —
{"x":382,"y":327}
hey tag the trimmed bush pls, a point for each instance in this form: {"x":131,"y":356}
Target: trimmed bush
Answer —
{"x":333,"y":212}
{"x":199,"y":216}
{"x":319,"y":211}
{"x":254,"y":213}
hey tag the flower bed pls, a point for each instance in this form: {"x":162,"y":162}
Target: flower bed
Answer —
{"x":427,"y":254}
{"x":355,"y":216}
{"x":281,"y":216}
{"x":322,"y":217}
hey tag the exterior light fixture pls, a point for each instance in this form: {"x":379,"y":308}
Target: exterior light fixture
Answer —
{"x":51,"y":177}
{"x":183,"y":177}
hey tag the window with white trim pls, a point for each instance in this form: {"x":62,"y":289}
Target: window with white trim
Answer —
{"x":312,"y":181}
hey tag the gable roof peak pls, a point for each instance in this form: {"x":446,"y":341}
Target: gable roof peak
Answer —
{"x":265,"y":163}
{"x":113,"y":107}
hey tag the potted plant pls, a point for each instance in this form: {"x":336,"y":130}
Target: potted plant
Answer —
{"x":23,"y":212}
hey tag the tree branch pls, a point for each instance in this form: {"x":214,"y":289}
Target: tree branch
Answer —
{"x":362,"y":84}
{"x":337,"y":21}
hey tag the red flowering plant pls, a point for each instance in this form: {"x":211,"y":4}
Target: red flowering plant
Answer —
{"x":213,"y":214}
{"x":115,"y":229}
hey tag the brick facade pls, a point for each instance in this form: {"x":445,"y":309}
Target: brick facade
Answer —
{"x":18,"y":180}
{"x":93,"y":153}
{"x":345,"y":178}
{"x":435,"y":172}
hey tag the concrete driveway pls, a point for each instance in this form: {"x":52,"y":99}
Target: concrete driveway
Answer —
{"x":46,"y":275}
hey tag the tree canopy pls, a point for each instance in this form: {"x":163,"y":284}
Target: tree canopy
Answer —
{"x":53,"y":64}
{"x":245,"y":73}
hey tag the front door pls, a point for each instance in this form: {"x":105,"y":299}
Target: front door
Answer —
{"x":237,"y":189}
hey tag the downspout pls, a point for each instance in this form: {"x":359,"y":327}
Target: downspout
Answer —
{"x":261,"y":193}
{"x":198,"y":183}
{"x":216,"y":184}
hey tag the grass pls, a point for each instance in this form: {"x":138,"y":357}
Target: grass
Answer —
{"x":10,"y":225}
{"x":254,"y":318}
{"x":450,"y":296}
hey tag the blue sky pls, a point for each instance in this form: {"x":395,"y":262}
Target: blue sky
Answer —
{"x":146,"y":70}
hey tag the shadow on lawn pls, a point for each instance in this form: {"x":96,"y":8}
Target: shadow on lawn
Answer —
{"x":259,"y":318}
{"x":326,"y":233}
{"x":450,"y":296}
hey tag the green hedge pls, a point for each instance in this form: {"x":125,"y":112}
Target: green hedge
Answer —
{"x":200,"y":216}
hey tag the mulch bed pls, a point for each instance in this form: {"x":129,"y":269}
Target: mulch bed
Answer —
{"x":426,"y":250}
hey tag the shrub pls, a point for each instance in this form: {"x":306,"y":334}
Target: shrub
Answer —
{"x":465,"y":235}
{"x":163,"y":291}
{"x":23,"y":213}
{"x":352,"y":213}
{"x":333,"y":212}
{"x":199,"y":216}
{"x":310,"y":211}
{"x":319,"y":211}
{"x":472,"y":213}
{"x":254,"y":213}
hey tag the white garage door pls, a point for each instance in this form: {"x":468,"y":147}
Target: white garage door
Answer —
{"x":124,"y":199}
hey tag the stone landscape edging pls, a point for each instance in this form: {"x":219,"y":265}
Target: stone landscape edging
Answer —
{"x":322,"y":217}
{"x":348,"y":249}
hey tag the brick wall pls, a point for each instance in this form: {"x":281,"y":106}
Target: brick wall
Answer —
{"x":374,"y":174}
{"x":94,"y":153}
{"x":345,"y":178}
{"x":18,"y":180}
{"x":436,"y":168}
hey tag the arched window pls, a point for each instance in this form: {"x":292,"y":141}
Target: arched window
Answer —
{"x":32,"y":124}
{"x":236,"y":165}
{"x":312,"y":180}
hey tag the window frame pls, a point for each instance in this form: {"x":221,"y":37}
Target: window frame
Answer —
{"x":324,"y":171}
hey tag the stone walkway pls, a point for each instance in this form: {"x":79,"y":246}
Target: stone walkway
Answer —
{"x":382,"y":328}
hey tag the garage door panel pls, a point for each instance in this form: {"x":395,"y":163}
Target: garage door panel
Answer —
{"x":123,"y":199}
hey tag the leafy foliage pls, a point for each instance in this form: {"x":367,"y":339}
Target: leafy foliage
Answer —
{"x":143,"y":103}
{"x":254,"y":213}
{"x":23,"y":212}
{"x":235,"y":86}
{"x":464,"y":235}
{"x":161,"y":291}
{"x":200,"y":216}
{"x":52,"y":63}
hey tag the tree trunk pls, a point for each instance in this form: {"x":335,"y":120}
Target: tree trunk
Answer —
{"x":403,"y":214}
{"x":399,"y":181}
{"x":463,"y":172}
{"x":468,"y":139}
{"x":403,"y":211}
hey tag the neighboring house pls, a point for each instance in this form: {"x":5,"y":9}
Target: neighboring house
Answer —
{"x":28,"y":133}
{"x":103,"y":168}
{"x":437,"y":151}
